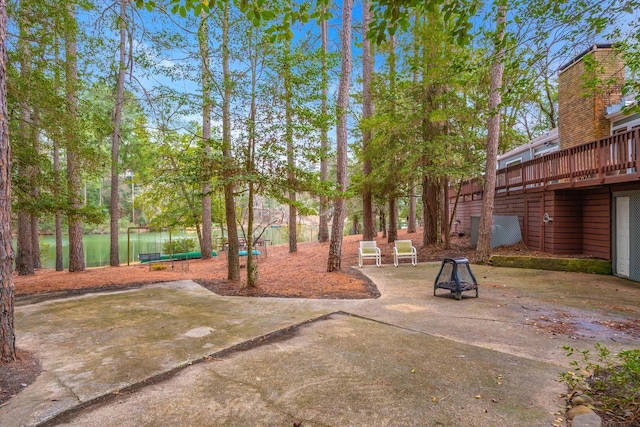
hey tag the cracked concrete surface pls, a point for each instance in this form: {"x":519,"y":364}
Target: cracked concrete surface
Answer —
{"x":177,"y":354}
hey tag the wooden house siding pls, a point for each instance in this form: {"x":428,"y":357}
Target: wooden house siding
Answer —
{"x":579,"y":220}
{"x":563,"y":233}
{"x":596,"y":232}
{"x":532,"y":233}
{"x":464,"y":211}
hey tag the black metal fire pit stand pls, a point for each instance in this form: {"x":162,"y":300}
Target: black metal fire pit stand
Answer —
{"x":455,"y":276}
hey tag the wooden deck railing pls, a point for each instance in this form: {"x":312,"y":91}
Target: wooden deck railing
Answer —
{"x":606,"y":161}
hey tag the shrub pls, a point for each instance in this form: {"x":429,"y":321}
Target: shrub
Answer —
{"x":46,"y":252}
{"x":158,"y":267}
{"x":613,"y":381}
{"x":179,"y":245}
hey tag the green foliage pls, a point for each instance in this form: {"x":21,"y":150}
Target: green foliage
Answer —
{"x":613,"y":381}
{"x":431,"y":122}
{"x":626,"y":35}
{"x":174,"y":185}
{"x":47,"y":252}
{"x":179,"y":246}
{"x":390,"y":15}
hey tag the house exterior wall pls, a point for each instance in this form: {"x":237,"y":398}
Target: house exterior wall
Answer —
{"x":573,"y":219}
{"x":533,"y":232}
{"x":579,"y":220}
{"x":563,"y":234}
{"x":625,"y":123}
{"x":521,"y":157}
{"x":596,"y":227}
{"x":537,"y":147}
{"x":582,"y":114}
{"x":464,"y":211}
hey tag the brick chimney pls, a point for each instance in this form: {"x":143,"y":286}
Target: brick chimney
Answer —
{"x":581,"y":111}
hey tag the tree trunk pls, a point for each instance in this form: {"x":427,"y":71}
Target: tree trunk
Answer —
{"x":76,"y":251}
{"x":455,"y":206}
{"x":483,"y":250}
{"x":233,"y":260}
{"x":445,"y":224}
{"x":206,"y":245}
{"x":355,"y":224}
{"x":393,"y":221}
{"x":369,"y":231}
{"x":291,"y":176}
{"x":57,"y":180}
{"x":323,"y":225}
{"x":430,"y":206}
{"x":114,"y":209}
{"x":337,"y":229}
{"x":7,"y":291}
{"x":392,"y":232}
{"x":35,"y":242}
{"x":35,"y":192}
{"x":252,"y":265}
{"x":411,"y":221}
{"x":58,"y":217}
{"x":24,"y":256}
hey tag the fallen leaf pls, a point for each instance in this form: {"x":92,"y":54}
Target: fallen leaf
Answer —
{"x":478,"y":396}
{"x":434,"y":399}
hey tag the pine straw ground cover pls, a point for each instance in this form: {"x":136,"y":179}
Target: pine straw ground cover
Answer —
{"x":301,"y":274}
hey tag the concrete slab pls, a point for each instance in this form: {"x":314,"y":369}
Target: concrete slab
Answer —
{"x":97,"y":344}
{"x":346,"y":371}
{"x":407,"y":358}
{"x":512,"y":306}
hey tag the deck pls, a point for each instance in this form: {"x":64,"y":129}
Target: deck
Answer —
{"x":609,"y":160}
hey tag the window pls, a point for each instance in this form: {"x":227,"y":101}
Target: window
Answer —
{"x":513,"y":162}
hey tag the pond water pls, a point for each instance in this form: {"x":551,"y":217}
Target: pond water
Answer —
{"x":96,"y":246}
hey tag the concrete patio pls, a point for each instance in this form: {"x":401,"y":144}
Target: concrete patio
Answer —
{"x":176,"y":354}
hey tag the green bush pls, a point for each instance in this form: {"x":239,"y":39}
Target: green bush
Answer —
{"x":179,"y":245}
{"x":613,"y":381}
{"x":46,"y":252}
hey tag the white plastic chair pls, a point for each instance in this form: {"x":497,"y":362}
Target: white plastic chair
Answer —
{"x":368,"y":250}
{"x":405,"y":249}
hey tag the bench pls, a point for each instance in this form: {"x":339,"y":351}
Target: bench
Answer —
{"x":246,"y":253}
{"x":150,"y":257}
